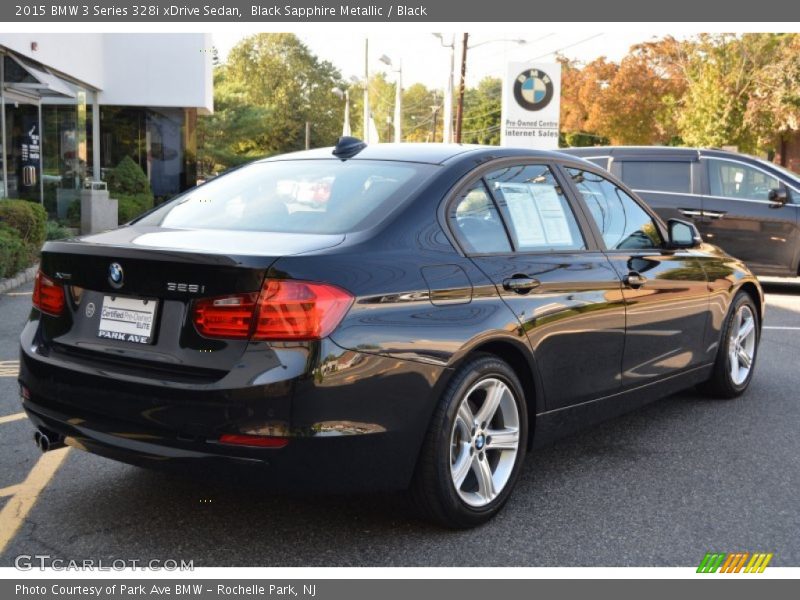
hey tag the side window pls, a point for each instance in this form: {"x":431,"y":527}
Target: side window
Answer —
{"x":600,"y":161}
{"x":622,"y":222}
{"x":661,"y":176}
{"x":477,"y":222}
{"x":738,"y":180}
{"x":539,"y":216}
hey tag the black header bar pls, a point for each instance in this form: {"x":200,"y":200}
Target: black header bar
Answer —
{"x":445,"y":11}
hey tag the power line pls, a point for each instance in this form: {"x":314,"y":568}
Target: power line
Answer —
{"x":578,"y":43}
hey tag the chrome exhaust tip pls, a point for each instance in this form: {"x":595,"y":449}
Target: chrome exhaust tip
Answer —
{"x":47,"y":440}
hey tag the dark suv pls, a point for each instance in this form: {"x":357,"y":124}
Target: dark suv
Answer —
{"x":747,"y":206}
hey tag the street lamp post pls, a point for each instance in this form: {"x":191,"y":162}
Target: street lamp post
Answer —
{"x":365,"y":138}
{"x":462,"y":83}
{"x":398,"y":98}
{"x":447,"y":133}
{"x":344,"y":95}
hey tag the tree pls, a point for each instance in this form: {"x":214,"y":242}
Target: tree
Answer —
{"x":227,"y":138}
{"x":482,"y":112}
{"x":773,"y":109}
{"x":634,"y":104}
{"x":418,"y":114}
{"x":381,"y":106}
{"x":721,"y":73}
{"x":271,"y":85}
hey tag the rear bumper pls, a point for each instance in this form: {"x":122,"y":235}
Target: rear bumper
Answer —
{"x":355,"y":421}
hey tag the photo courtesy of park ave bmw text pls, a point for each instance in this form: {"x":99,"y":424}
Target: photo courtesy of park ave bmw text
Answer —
{"x":329,"y":299}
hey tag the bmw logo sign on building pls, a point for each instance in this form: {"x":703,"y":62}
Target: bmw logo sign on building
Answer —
{"x":531,"y":105}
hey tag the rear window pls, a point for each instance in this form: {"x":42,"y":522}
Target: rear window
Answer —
{"x":301,"y":196}
{"x":663,"y":176}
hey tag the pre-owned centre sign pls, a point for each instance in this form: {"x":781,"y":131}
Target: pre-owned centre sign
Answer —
{"x":531,"y":104}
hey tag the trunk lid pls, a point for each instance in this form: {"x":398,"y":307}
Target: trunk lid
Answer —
{"x":169,"y":268}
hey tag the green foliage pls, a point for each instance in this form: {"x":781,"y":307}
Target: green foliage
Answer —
{"x":711,"y":90}
{"x":29,"y":219}
{"x":13,"y":253}
{"x":128,"y":184}
{"x":127,"y":178}
{"x":56,"y":231}
{"x":74,"y":213}
{"x":579,"y":140}
{"x":131,"y":206}
{"x":722,"y":73}
{"x":482,"y":111}
{"x":418,"y":101}
{"x":270,"y":86}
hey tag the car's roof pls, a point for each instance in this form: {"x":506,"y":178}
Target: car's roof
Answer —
{"x":424,"y":153}
{"x":653,"y":151}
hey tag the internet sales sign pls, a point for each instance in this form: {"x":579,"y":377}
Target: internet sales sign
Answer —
{"x":531,"y":104}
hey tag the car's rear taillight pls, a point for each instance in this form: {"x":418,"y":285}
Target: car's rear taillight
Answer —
{"x":48,"y":296}
{"x":283,"y":310}
{"x":229,"y":317}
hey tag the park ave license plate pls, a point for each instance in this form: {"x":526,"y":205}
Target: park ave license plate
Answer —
{"x":127,"y":319}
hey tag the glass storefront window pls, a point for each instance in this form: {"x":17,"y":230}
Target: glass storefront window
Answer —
{"x":45,"y":145}
{"x":65,"y":150}
{"x":47,"y":139}
{"x":160,"y":140}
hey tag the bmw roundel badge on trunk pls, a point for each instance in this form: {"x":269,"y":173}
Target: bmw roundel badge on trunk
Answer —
{"x":116,"y":276}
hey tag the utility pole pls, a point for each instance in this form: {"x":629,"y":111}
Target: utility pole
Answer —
{"x":308,"y":135}
{"x":447,"y":132}
{"x":398,"y":97}
{"x":461,"y":86}
{"x":366,"y":91}
{"x":435,"y":109}
{"x":398,"y":105}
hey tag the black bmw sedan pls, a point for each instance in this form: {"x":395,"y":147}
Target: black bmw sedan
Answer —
{"x":384,"y":317}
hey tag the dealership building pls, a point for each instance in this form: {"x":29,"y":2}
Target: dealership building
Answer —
{"x":74,"y":105}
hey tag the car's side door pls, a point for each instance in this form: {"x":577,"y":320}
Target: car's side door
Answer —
{"x":740,"y":217}
{"x":518,"y":225}
{"x":665,"y":291}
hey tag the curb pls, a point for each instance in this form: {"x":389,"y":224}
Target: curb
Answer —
{"x":24,"y":276}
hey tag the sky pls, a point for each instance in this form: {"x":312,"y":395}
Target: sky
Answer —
{"x":424,"y":60}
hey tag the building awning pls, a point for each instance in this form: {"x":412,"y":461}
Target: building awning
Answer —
{"x":44,"y":84}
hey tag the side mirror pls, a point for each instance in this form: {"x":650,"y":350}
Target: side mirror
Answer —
{"x":778,"y":195}
{"x":683,"y":234}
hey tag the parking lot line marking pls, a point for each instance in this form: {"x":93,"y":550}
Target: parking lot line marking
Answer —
{"x":14,"y":512}
{"x":778,"y":327}
{"x":9,"y":491}
{"x":10,"y":418}
{"x":9,"y":368}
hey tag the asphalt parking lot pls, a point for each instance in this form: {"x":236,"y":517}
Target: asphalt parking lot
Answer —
{"x":659,"y":487}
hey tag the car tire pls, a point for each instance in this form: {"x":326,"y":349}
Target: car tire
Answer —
{"x":467,"y":471}
{"x":737,"y":352}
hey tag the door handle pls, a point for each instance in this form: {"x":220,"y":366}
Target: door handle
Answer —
{"x":688,"y":212}
{"x":520,"y":284}
{"x":713,"y":214}
{"x":634,"y":280}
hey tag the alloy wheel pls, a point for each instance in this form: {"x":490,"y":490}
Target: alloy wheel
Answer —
{"x":742,"y":344}
{"x":484,"y":442}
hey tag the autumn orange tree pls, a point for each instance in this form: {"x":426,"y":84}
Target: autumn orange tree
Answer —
{"x":709,"y":90}
{"x":632,"y":102}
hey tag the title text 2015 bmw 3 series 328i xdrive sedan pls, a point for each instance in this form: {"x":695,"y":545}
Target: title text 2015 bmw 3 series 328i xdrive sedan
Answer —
{"x":384,"y":317}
